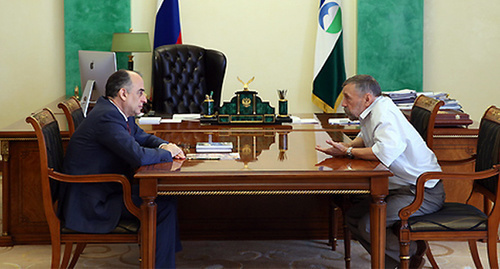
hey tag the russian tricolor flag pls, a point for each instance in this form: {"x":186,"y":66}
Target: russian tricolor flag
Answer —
{"x":168,"y":23}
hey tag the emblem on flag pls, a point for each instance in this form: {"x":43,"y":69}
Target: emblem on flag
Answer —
{"x":330,"y":15}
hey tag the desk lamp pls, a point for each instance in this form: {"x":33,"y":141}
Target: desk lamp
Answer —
{"x":131,"y":42}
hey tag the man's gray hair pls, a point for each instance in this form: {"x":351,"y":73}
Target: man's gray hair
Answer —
{"x":364,"y":84}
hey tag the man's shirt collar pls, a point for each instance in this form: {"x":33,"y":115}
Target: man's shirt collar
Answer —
{"x":121,"y":112}
{"x":367,"y":111}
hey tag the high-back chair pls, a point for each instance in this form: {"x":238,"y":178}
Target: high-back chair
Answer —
{"x":458,"y":221}
{"x":73,"y":112}
{"x":182,"y":77}
{"x":423,"y":117}
{"x":51,"y":161}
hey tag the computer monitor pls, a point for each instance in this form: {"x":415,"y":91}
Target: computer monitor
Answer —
{"x":96,"y":66}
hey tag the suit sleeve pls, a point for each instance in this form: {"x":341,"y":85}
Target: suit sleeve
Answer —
{"x":144,"y":139}
{"x":113,"y":134}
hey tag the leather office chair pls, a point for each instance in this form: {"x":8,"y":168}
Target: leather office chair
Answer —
{"x":51,"y":160}
{"x":422,"y":117}
{"x":73,"y":112}
{"x":183,"y":75}
{"x":457,"y":221}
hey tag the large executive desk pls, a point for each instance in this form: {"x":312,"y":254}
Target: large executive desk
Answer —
{"x":273,"y":162}
{"x":264,"y":216}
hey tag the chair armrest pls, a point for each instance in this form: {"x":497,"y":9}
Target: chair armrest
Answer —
{"x":101,"y":178}
{"x":407,"y":211}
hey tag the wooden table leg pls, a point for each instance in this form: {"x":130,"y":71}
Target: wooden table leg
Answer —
{"x":378,"y":215}
{"x":148,"y":192}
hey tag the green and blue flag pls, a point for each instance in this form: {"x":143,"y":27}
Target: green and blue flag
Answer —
{"x":329,"y":69}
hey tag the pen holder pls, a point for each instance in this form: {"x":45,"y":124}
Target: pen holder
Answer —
{"x":283,"y":108}
{"x":208,"y":108}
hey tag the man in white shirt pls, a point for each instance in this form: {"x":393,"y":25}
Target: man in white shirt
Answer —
{"x":387,"y":136}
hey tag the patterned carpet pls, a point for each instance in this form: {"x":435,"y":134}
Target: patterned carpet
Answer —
{"x":233,"y":254}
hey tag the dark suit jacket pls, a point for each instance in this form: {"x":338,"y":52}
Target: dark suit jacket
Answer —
{"x":103,"y":144}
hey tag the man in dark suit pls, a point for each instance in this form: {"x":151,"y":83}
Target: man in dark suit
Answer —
{"x":109,"y":141}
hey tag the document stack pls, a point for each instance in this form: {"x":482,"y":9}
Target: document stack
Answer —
{"x":448,"y":102}
{"x":214,"y":147}
{"x":404,"y":99}
{"x":450,"y":114}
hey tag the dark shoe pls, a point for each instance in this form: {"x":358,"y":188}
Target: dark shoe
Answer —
{"x":417,"y":260}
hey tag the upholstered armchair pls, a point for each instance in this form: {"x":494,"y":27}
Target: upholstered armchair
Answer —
{"x":459,"y":221}
{"x":51,"y":153}
{"x":183,"y":75}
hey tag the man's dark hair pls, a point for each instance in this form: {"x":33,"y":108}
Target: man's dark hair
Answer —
{"x":119,"y":79}
{"x":364,"y":84}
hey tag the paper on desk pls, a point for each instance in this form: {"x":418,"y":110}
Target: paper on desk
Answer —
{"x":149,"y":120}
{"x":186,"y":116}
{"x":213,"y":156}
{"x":171,"y":121}
{"x":342,"y":121}
{"x":298,"y":120}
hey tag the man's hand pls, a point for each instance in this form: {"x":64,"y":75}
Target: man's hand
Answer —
{"x":337,"y":149}
{"x":176,"y":152}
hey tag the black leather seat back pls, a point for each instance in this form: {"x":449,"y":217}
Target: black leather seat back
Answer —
{"x":47,"y":123}
{"x":488,"y":152}
{"x":53,"y":141}
{"x":78,"y":117}
{"x":420,"y":120}
{"x":183,"y":75}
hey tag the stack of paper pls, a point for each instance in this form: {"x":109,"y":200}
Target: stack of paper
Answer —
{"x":342,"y":121}
{"x":298,"y":120}
{"x":213,"y":156}
{"x":186,"y":116}
{"x":149,"y":120}
{"x":402,"y":97}
{"x":214,"y":147}
{"x":449,"y":103}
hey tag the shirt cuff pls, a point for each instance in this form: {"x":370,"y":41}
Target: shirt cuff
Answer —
{"x":162,"y":144}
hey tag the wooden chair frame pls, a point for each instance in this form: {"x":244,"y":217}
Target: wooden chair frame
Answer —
{"x":406,"y":236}
{"x":490,"y":235}
{"x":69,"y":106}
{"x":39,"y":121}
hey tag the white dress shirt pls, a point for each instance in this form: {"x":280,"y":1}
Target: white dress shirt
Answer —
{"x":396,"y":143}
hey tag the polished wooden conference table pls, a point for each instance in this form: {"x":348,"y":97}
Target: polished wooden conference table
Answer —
{"x":273,"y":160}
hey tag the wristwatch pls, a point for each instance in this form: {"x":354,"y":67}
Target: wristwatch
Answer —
{"x":349,"y":152}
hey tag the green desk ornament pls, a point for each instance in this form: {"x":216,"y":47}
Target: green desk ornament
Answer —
{"x":246,"y":107}
{"x":208,"y":106}
{"x":282,"y":104}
